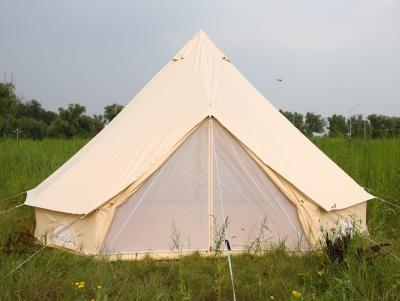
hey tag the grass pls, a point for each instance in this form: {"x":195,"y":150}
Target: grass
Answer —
{"x":53,"y":274}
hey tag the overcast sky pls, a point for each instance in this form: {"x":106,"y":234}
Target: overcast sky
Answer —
{"x":334,"y":55}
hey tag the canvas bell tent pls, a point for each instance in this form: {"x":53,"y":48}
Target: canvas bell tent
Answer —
{"x":198,"y":150}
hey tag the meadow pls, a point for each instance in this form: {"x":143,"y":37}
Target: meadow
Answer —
{"x":59,"y":275}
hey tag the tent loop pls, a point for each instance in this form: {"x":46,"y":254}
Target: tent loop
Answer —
{"x":12,"y":208}
{"x":177,"y":59}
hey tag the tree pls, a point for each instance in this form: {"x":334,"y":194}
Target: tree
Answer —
{"x":72,"y":122}
{"x":379,"y":126}
{"x":314,"y":124}
{"x":396,"y":126}
{"x":32,"y":128}
{"x":68,"y":123}
{"x":393,"y":124}
{"x":111,"y":111}
{"x":33,"y":109}
{"x":97,"y":123}
{"x":60,"y":129}
{"x":28,"y":116}
{"x":297,"y":119}
{"x":89,"y":126}
{"x":8,"y":108}
{"x":337,"y":126}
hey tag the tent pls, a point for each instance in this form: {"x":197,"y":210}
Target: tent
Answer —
{"x":198,"y":151}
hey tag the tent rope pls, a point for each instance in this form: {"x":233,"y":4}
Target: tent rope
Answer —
{"x":383,"y":200}
{"x":387,"y":202}
{"x":226,"y":243}
{"x":26,"y":260}
{"x":12,"y":208}
{"x":13,"y":196}
{"x":374,"y":242}
{"x":43,"y":247}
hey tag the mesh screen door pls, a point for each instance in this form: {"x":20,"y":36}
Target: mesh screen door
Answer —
{"x":208,"y":175}
{"x":172,"y":203}
{"x":255,"y":210}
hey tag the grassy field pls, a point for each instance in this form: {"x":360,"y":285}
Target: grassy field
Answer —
{"x":54,"y":274}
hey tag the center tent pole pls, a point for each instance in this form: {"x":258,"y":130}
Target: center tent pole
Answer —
{"x":227,"y":245}
{"x":210,"y":184}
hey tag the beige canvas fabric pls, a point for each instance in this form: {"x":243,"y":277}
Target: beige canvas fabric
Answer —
{"x":200,"y":81}
{"x":197,"y":144}
{"x":178,"y":193}
{"x":173,"y":202}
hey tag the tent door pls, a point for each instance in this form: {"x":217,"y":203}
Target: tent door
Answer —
{"x":183,"y":204}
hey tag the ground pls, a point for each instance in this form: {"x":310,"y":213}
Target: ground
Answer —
{"x":275,"y":275}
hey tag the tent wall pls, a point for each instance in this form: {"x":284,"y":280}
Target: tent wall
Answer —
{"x":70,"y":231}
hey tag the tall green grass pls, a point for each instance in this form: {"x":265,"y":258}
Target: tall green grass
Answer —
{"x":374,"y":164}
{"x":52,"y":274}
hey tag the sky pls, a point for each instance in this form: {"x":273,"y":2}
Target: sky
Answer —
{"x":334,"y":56}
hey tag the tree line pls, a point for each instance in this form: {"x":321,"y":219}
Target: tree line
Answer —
{"x":373,"y":126}
{"x":29,"y":120}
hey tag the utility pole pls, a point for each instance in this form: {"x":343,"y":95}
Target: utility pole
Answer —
{"x":365,"y":137}
{"x":17,"y":131}
{"x":350,"y":125}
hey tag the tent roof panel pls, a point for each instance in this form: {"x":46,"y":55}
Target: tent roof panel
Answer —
{"x":198,"y":82}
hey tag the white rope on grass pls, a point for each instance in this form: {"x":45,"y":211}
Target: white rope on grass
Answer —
{"x":387,"y":202}
{"x":225,"y":226}
{"x":374,"y":242}
{"x":383,"y":200}
{"x":43,"y":247}
{"x":26,"y":260}
{"x":13,"y":196}
{"x":12,"y":208}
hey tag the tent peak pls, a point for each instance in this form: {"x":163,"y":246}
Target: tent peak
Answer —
{"x":201,"y":33}
{"x":202,"y":37}
{"x":199,"y":45}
